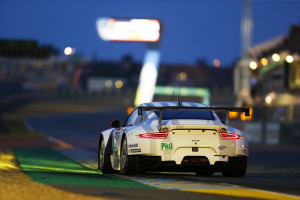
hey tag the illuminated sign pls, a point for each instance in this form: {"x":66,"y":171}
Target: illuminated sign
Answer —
{"x":135,"y":30}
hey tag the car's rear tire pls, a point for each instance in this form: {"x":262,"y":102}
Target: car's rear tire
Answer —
{"x":128,"y":163}
{"x":104,"y":162}
{"x":237,"y":167}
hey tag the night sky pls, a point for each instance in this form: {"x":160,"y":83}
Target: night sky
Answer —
{"x":192,"y":29}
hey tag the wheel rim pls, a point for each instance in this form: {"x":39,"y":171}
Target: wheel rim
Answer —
{"x":101,"y":154}
{"x":124,"y":155}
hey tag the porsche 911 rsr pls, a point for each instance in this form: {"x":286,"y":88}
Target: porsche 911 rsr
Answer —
{"x":174,"y":136}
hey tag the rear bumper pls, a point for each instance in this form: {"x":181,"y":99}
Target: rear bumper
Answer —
{"x":155,"y":163}
{"x":214,"y":152}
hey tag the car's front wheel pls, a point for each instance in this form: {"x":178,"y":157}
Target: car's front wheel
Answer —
{"x":128,"y":163}
{"x":104,"y":162}
{"x":237,"y":167}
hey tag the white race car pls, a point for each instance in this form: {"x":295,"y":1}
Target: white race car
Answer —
{"x":174,"y":136}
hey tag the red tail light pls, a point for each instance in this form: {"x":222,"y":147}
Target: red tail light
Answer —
{"x":229,"y":136}
{"x":154,"y":135}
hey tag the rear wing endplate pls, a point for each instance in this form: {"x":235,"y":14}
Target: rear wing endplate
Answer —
{"x":209,"y":108}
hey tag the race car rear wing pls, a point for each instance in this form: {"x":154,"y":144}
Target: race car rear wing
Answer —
{"x":209,"y":108}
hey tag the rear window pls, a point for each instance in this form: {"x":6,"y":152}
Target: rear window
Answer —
{"x":186,"y":114}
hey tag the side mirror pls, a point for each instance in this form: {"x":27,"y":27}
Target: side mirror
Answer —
{"x":115,"y":124}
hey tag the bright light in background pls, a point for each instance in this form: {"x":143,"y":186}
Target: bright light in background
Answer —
{"x":253,"y":65}
{"x":69,"y":51}
{"x":216,"y":62}
{"x":108,"y":83}
{"x":139,"y":30}
{"x":276,"y":57}
{"x":270,"y":97}
{"x":182,"y":76}
{"x":147,"y":83}
{"x":119,"y":84}
{"x":264,"y":61}
{"x":148,"y":77}
{"x":289,"y":59}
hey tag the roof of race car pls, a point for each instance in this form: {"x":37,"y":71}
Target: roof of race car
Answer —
{"x":171,"y":103}
{"x":152,"y":117}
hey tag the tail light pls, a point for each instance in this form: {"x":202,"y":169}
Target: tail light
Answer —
{"x":228,"y":136}
{"x":154,"y":135}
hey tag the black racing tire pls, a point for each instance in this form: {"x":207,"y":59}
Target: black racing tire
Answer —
{"x":205,"y":172}
{"x":128,"y":163}
{"x":104,"y":162}
{"x":237,"y":167}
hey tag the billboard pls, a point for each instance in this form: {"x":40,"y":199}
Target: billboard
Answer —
{"x":134,"y":30}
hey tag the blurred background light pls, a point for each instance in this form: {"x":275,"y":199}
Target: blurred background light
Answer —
{"x":289,"y":59}
{"x":148,"y":76}
{"x":182,"y":76}
{"x":253,"y":65}
{"x":108,"y":83}
{"x":275,"y":57}
{"x":69,"y":51}
{"x":216,"y":62}
{"x":270,"y":97}
{"x":142,"y":30}
{"x":119,"y":84}
{"x":264,"y":61}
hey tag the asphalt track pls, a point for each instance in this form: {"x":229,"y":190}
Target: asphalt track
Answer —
{"x":271,"y":168}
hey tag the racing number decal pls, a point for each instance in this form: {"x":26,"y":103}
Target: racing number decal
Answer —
{"x":166,"y":146}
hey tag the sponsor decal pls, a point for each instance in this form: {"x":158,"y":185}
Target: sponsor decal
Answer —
{"x":222,"y":147}
{"x":133,"y":145}
{"x":166,"y":146}
{"x":136,"y":150}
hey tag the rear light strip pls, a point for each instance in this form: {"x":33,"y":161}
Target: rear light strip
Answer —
{"x":154,"y":135}
{"x":229,"y":136}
